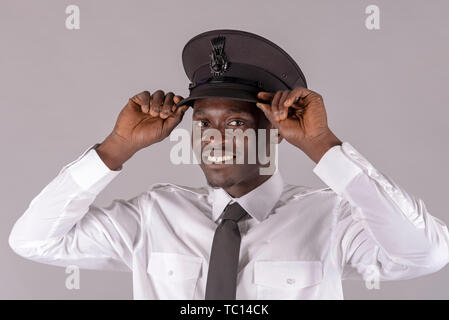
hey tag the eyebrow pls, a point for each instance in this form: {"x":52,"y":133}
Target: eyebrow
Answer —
{"x":202,"y":112}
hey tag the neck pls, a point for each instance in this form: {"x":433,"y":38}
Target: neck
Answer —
{"x":240,"y":189}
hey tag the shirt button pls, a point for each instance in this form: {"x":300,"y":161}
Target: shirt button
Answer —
{"x":170,"y":272}
{"x":291,"y":281}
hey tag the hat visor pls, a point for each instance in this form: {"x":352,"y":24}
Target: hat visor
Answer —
{"x":217,"y":92}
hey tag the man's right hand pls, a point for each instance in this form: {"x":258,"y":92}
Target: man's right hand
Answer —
{"x":145,"y":120}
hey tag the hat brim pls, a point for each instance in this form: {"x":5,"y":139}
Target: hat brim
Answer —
{"x":217,"y":92}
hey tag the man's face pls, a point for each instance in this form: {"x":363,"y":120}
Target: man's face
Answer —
{"x":221,"y":114}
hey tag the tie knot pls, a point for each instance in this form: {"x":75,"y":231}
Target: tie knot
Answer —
{"x":234,"y":212}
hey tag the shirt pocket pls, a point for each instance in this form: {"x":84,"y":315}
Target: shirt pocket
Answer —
{"x":288,"y":279}
{"x":174,"y":275}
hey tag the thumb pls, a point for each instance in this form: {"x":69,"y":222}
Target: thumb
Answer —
{"x":266,"y":109}
{"x":173,"y":120}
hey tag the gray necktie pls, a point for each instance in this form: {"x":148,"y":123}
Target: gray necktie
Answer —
{"x":224,"y":257}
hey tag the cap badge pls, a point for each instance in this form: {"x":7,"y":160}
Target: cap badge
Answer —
{"x":218,"y":60}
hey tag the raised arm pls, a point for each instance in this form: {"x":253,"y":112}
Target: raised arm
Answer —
{"x":380,"y":226}
{"x":62,"y":227}
{"x":382,"y":231}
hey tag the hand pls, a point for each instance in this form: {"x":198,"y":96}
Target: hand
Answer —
{"x":148,"y":119}
{"x":145,"y":120}
{"x":300,"y":117}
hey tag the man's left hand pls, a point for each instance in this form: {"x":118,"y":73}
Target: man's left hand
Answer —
{"x":300,"y":117}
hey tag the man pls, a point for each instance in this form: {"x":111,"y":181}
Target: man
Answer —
{"x":246,"y":235}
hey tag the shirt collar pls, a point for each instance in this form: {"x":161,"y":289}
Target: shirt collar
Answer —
{"x":258,"y":202}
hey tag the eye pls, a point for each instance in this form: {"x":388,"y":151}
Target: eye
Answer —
{"x":202,"y":123}
{"x":236,"y":123}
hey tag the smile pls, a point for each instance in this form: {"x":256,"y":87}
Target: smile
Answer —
{"x":219,"y":159}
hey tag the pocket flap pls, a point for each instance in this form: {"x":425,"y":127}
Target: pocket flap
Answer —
{"x":174,"y":266}
{"x":288,"y":274}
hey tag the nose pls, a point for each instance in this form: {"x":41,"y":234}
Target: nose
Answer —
{"x":216,"y":136}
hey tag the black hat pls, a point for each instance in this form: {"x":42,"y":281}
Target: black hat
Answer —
{"x":237,"y":64}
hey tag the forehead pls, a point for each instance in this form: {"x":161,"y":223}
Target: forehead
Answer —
{"x":227,"y":105}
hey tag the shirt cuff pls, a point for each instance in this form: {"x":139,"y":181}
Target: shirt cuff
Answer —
{"x":90,"y":172}
{"x":337,"y":168}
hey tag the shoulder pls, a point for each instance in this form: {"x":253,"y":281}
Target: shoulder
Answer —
{"x":166,"y":188}
{"x":322,"y":199}
{"x":299,"y":191}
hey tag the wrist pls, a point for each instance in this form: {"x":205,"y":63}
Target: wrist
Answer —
{"x":114,"y":151}
{"x":316,"y":147}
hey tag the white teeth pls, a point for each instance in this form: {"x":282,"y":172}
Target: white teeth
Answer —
{"x":219,"y":159}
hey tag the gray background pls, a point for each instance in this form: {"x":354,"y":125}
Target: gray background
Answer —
{"x":386,"y":92}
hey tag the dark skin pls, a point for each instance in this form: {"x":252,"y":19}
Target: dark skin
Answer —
{"x":221,"y":114}
{"x":298,"y":114}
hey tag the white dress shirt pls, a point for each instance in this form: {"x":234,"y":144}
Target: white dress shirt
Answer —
{"x":298,"y":243}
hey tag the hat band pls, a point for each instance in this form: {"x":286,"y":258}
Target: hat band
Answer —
{"x":222,"y":79}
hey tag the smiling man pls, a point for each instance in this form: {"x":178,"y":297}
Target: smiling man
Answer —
{"x":245,"y":235}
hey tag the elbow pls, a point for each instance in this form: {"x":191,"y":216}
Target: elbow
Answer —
{"x":25,"y":248}
{"x":437,"y":257}
{"x":14,"y":243}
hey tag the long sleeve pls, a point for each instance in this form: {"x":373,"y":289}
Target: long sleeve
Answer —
{"x":379,"y":226}
{"x":61,"y":226}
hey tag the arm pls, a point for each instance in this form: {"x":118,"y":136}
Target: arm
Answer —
{"x":62,"y":227}
{"x":380,"y":227}
{"x":379,"y":224}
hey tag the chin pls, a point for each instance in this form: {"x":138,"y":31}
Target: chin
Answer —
{"x":223,"y":185}
{"x":220,"y":180}
{"x":225,"y":176}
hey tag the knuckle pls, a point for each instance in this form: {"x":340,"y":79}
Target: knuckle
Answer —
{"x":158,"y":93}
{"x":155,"y":105}
{"x":143,"y":97}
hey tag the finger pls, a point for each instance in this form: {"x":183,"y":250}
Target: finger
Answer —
{"x":175,"y":118}
{"x":275,"y":105}
{"x":267,"y":96}
{"x":296,"y":94}
{"x":168,"y":103}
{"x":282,"y":108}
{"x":143,"y":100}
{"x":266,"y":109}
{"x":181,"y":110}
{"x":156,"y":103}
{"x":176,"y":100}
{"x":133,"y":106}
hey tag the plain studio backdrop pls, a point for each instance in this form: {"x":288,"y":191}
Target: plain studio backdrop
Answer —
{"x":385,"y":91}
